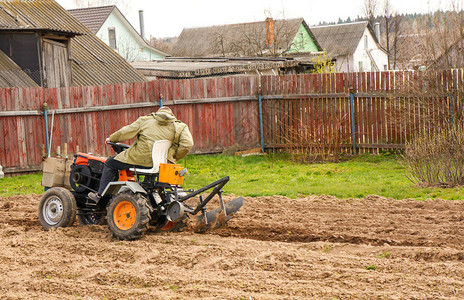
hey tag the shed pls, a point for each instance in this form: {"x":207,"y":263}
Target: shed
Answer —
{"x":180,"y":68}
{"x":11,"y":74}
{"x":55,"y":49}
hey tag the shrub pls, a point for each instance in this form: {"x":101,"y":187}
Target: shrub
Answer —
{"x":306,"y":144}
{"x":429,"y":115}
{"x":437,"y":158}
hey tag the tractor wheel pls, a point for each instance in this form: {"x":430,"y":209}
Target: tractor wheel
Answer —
{"x":128,"y":216}
{"x":92,"y":219}
{"x":57,"y":208}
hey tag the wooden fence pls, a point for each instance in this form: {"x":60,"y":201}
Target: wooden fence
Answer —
{"x":220,"y":112}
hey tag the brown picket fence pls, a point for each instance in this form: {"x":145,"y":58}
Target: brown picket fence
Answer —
{"x":220,"y":112}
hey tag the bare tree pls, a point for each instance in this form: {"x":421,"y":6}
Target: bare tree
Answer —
{"x":283,"y":32}
{"x":393,"y":29}
{"x":129,"y":51}
{"x":163,"y":44}
{"x":387,"y":14}
{"x":442,"y":34}
{"x":249,"y":39}
{"x":370,"y":10}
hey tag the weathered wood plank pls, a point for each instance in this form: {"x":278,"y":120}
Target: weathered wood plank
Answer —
{"x":221,"y":111}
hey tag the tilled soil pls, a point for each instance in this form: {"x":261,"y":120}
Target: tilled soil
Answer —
{"x":275,"y":248}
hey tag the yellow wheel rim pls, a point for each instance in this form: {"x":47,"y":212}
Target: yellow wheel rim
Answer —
{"x":124,"y":215}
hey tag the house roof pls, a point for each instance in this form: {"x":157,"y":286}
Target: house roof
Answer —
{"x":342,"y":39}
{"x":95,"y":17}
{"x":204,"y":67}
{"x":36,"y":15}
{"x":92,"y":17}
{"x":247,"y":39}
{"x":11,"y":74}
{"x":93,"y":62}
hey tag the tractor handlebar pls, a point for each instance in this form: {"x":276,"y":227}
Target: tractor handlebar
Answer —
{"x":118,"y":147}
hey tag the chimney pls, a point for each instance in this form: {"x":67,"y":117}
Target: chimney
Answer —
{"x":269,"y":31}
{"x":142,"y":25}
{"x":377,"y":31}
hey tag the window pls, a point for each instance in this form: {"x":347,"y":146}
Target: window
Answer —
{"x":112,"y":37}
{"x":385,"y":67}
{"x":360,"y":66}
{"x":366,"y":46}
{"x":302,"y":40}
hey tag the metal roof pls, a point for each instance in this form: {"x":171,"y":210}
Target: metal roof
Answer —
{"x":11,"y":74}
{"x":35,"y":15}
{"x":93,"y":62}
{"x":248,"y":39}
{"x":92,"y":17}
{"x":196,"y":67}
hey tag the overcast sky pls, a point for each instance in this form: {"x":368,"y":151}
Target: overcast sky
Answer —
{"x":168,"y":18}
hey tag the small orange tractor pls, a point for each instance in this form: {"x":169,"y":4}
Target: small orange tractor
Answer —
{"x":137,"y":200}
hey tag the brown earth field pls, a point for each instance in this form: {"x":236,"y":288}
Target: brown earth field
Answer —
{"x":317,"y":247}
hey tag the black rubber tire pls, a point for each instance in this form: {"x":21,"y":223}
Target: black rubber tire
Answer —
{"x":57,"y":208}
{"x":142,"y":219}
{"x":92,"y":219}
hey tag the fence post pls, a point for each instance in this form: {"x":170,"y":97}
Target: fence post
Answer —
{"x":45,"y":112}
{"x":353,"y":134}
{"x":260,"y":106}
{"x":451,"y":108}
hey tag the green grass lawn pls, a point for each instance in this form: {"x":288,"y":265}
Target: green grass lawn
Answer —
{"x":21,"y":185}
{"x":364,"y":175}
{"x":259,"y":176}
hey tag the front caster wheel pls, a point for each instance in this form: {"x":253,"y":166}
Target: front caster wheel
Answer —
{"x":57,"y":208}
{"x":91,"y":218}
{"x":128,"y":216}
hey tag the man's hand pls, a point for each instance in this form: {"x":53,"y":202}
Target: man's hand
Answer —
{"x":107,"y":140}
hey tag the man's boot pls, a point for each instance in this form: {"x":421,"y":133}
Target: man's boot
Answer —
{"x":94,"y":197}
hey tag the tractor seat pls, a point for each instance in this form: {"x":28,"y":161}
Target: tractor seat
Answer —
{"x":159,"y":156}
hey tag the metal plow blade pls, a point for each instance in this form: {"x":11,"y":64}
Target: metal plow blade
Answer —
{"x":218,"y":217}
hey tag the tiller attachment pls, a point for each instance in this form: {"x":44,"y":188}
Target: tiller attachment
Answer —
{"x":207,"y":220}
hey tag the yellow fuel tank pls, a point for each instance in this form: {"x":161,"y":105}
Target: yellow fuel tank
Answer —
{"x":170,"y":173}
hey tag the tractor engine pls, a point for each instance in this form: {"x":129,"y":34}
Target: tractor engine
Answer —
{"x":85,"y":173}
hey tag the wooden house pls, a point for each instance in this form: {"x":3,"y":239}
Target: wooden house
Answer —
{"x":54,"y":49}
{"x":112,"y":27}
{"x":354,"y":46}
{"x":267,"y":38}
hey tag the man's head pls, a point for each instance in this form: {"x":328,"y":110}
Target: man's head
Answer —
{"x":165,"y":109}
{"x":164,"y":114}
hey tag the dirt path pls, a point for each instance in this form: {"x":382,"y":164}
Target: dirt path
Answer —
{"x":275,"y":248}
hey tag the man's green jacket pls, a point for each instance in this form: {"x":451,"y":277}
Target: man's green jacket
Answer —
{"x":161,"y":125}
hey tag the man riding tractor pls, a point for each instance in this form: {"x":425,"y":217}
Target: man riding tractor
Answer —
{"x":161,"y":125}
{"x":140,"y":187}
